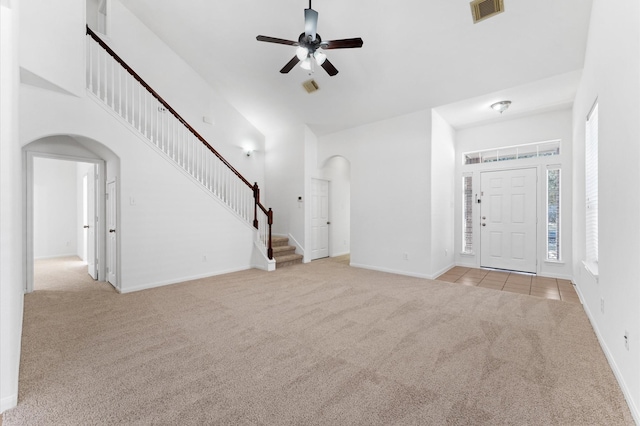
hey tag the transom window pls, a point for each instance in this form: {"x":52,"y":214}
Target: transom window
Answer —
{"x":516,"y":152}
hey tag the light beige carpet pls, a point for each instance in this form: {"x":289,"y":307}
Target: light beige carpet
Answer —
{"x":314,"y":344}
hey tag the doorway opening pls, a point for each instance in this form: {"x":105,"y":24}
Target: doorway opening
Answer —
{"x":65,"y":220}
{"x":65,"y":209}
{"x":336,"y":172}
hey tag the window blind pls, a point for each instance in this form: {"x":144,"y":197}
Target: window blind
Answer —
{"x":591,"y":185}
{"x":467,"y":214}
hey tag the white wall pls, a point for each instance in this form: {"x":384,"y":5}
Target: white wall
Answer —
{"x":172,"y":224}
{"x":11,"y":270}
{"x":55,"y":199}
{"x":390,"y":192}
{"x":534,"y":128}
{"x":286,"y":182}
{"x":187,"y":92}
{"x":337,"y":170}
{"x":611,"y":71}
{"x":442,"y":193}
{"x":52,"y":43}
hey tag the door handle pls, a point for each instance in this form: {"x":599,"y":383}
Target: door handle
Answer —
{"x":484,"y":217}
{"x":112,"y":230}
{"x":328,"y":223}
{"x":86,"y":226}
{"x":484,"y":224}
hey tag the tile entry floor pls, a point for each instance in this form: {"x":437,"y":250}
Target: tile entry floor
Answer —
{"x":549,"y":288}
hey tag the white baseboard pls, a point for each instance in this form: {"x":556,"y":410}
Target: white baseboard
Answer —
{"x":390,"y":271}
{"x":612,"y":363}
{"x":442,"y":271}
{"x":8,"y":402}
{"x":56,"y":256}
{"x":340,"y":254}
{"x":178,"y":281}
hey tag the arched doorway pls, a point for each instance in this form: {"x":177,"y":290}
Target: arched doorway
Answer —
{"x":61,"y":170}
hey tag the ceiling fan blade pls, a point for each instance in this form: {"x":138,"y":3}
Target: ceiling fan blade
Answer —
{"x":292,"y":63}
{"x":310,"y":23}
{"x":276,"y":40}
{"x":329,"y":68}
{"x":346,"y":43}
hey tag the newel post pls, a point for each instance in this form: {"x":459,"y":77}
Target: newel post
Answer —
{"x":270,"y":222}
{"x":256,"y":197}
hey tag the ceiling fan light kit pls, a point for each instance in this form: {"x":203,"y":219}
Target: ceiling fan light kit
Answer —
{"x":310,"y":46}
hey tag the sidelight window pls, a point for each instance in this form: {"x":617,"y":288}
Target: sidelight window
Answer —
{"x":467,"y":214}
{"x":553,"y":214}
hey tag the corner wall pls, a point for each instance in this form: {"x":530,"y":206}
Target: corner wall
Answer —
{"x":611,"y":75}
{"x":11,"y":267}
{"x":390,"y":192}
{"x":442,"y":193}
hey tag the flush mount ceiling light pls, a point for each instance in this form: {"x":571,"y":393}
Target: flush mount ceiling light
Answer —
{"x":501,"y":106}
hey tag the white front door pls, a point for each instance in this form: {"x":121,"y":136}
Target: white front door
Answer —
{"x":508,"y":220}
{"x":319,"y":218}
{"x":111,"y":233}
{"x":91,"y":223}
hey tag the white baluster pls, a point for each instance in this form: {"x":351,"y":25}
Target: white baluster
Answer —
{"x":90,"y":63}
{"x":113,"y":83}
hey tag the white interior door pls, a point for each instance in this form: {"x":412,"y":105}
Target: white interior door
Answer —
{"x":508,"y":220}
{"x":111,"y":234}
{"x":91,"y":223}
{"x":319,"y":218}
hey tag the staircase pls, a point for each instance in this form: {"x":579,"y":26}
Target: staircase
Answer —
{"x":283,"y":253}
{"x":115,"y":84}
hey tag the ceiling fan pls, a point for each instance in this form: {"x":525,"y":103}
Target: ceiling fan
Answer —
{"x":310,"y":45}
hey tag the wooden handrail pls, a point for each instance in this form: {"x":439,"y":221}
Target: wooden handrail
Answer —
{"x":254,"y":187}
{"x":164,"y":103}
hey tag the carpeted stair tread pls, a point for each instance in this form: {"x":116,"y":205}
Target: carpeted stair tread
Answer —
{"x":283,"y":253}
{"x":287,"y":258}
{"x":280,"y":250}
{"x":279,"y":241}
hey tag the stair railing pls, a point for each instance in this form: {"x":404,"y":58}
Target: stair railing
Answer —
{"x":118,"y":86}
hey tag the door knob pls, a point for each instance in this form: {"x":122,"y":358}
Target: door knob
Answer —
{"x":484,"y":224}
{"x":86,"y":226}
{"x":112,"y":230}
{"x":328,"y":223}
{"x":484,"y":217}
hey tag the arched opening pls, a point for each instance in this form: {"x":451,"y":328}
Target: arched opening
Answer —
{"x":71,"y":205}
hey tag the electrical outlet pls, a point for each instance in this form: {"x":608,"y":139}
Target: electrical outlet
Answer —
{"x":602,"y":306}
{"x":626,"y":340}
{"x":405,"y":256}
{"x":204,"y":258}
{"x":446,"y":252}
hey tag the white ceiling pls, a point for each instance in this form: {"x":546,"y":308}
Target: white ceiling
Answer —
{"x":417,"y":54}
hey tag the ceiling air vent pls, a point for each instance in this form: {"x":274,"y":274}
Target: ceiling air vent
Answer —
{"x":483,"y":9}
{"x":310,"y":86}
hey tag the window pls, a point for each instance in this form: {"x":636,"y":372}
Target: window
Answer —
{"x":553,"y":214}
{"x":591,"y":186}
{"x":467,"y":214}
{"x":518,"y":152}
